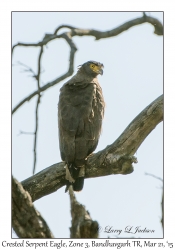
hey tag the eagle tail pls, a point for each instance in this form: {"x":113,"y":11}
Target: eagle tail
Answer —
{"x":79,"y":181}
{"x":78,"y":184}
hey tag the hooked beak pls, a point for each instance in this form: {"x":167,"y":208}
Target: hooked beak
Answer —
{"x":100,"y":71}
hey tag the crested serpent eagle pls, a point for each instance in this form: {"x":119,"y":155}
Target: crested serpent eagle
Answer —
{"x":80,"y":114}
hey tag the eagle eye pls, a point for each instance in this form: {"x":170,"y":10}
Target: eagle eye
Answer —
{"x":92,"y":65}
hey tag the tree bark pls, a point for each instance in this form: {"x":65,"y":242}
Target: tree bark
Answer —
{"x":116,"y":158}
{"x":26,"y":220}
{"x":82,"y":224}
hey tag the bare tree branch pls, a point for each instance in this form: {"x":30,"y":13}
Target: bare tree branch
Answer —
{"x":27,"y":69}
{"x":162,"y":202}
{"x":160,"y":179}
{"x":158,"y":29}
{"x":47,"y":38}
{"x":57,"y":80}
{"x":39,"y":68}
{"x":116,"y":158}
{"x":36,"y":133}
{"x":37,"y":106}
{"x":25,"y":133}
{"x":162,"y":207}
{"x":82,"y":224}
{"x":26,"y":221}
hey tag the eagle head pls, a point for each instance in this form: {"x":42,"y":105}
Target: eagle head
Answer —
{"x":93,"y":68}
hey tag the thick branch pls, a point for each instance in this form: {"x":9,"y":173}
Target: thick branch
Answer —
{"x":26,"y":221}
{"x":116,"y":158}
{"x":82,"y":224}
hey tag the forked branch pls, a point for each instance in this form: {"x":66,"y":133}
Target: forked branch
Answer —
{"x":73,"y":31}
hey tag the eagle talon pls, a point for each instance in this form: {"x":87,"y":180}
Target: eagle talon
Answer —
{"x":82,"y":171}
{"x":68,"y":175}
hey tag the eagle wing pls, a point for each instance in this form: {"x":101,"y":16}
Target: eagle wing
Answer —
{"x":80,"y":114}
